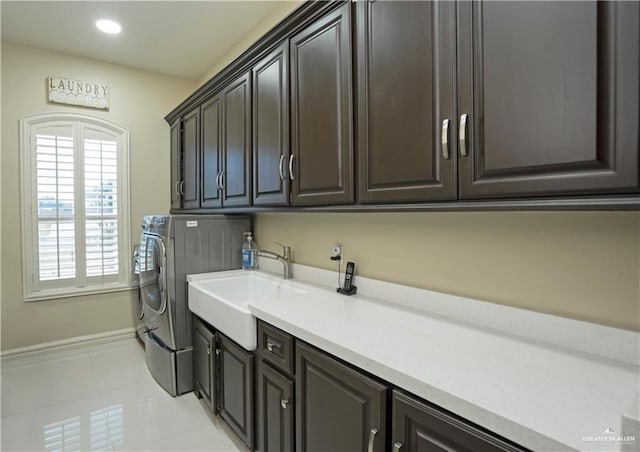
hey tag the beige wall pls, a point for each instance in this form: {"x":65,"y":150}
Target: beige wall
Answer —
{"x":582,"y":265}
{"x":139,"y":100}
{"x":282,"y":9}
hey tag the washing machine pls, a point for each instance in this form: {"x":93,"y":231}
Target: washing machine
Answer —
{"x":172,"y":247}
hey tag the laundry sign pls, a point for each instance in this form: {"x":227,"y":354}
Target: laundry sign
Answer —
{"x":78,"y":92}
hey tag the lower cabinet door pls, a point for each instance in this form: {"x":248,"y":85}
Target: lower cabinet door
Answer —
{"x":203,"y":363}
{"x":236,"y":388}
{"x":275,"y":411}
{"x":418,"y":426}
{"x":337,"y":407}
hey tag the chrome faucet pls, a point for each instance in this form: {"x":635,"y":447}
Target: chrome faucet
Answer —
{"x":285,"y":259}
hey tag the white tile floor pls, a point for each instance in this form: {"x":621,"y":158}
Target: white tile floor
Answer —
{"x":101,"y":397}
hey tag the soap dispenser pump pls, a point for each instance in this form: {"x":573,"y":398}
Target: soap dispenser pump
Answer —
{"x":249,"y":253}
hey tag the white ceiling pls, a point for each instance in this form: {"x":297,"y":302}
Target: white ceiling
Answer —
{"x":182,"y":38}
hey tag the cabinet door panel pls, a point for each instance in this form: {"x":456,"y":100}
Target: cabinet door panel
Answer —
{"x":425,"y":428}
{"x":271,"y":128}
{"x":204,"y":363}
{"x":237,"y":139}
{"x":275,"y":418}
{"x":176,"y":163}
{"x":236,"y":394}
{"x":322,"y":143}
{"x":336,"y":406}
{"x":191,"y":160}
{"x":552,"y":97}
{"x":211,"y":152}
{"x":405,"y":90}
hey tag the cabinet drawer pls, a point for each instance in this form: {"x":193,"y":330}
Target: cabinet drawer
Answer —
{"x":276,"y":347}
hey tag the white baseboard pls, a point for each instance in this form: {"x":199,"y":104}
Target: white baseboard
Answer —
{"x":67,"y":344}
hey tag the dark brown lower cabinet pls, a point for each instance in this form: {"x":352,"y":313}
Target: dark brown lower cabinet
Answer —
{"x":418,"y":426}
{"x":337,"y":408}
{"x":235,"y":403}
{"x":275,"y":403}
{"x":204,"y":363}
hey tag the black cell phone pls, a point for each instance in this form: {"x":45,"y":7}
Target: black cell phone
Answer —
{"x":348,"y":276}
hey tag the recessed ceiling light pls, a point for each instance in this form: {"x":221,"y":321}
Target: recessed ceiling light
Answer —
{"x":108,"y":26}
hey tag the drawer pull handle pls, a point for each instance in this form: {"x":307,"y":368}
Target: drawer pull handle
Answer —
{"x":463,"y":134}
{"x":397,"y":447}
{"x":272,"y":346}
{"x":445,"y":139}
{"x":284,"y":403}
{"x":372,"y":439}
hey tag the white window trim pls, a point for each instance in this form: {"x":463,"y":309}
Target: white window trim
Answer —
{"x":29,"y":210}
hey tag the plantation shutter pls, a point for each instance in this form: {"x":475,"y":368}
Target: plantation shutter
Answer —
{"x":101,"y":203}
{"x":55,"y":197}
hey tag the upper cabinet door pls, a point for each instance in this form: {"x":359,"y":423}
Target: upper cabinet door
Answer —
{"x":321,"y":111}
{"x":211,"y":152}
{"x":190,"y":185}
{"x":406,"y":62}
{"x":236,"y":160}
{"x":271,"y":128}
{"x":548,"y":96}
{"x":176,"y":176}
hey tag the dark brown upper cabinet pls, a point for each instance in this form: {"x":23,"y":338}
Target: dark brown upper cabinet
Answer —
{"x":516,"y":105}
{"x":211,"y":125}
{"x":176,"y":172}
{"x":405,"y":83}
{"x":190,"y":185}
{"x":235,"y":178}
{"x":321,"y":161}
{"x":271,"y":128}
{"x":547,"y":98}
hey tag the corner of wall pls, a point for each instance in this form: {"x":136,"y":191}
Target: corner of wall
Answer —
{"x":279,"y":12}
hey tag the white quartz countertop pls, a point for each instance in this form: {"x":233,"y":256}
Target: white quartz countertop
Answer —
{"x":535,"y":393}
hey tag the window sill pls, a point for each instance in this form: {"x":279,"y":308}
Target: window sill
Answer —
{"x":52,"y":294}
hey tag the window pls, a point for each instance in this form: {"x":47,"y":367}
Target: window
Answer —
{"x":75,"y":198}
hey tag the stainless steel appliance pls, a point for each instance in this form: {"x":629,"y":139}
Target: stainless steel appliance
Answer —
{"x":171,"y":247}
{"x":136,"y":300}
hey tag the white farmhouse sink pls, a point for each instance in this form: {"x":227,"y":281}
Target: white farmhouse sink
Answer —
{"x":222,"y":300}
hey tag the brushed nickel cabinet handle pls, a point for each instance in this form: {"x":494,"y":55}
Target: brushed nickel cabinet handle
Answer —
{"x":445,"y":139}
{"x":372,"y":439}
{"x":463,"y":134}
{"x":271,"y":346}
{"x":284,"y":403}
{"x":218,"y":181}
{"x":177,"y":189}
{"x":221,"y":180}
{"x":280,"y":169}
{"x":182,"y":188}
{"x":291,"y":176}
{"x":397,"y":447}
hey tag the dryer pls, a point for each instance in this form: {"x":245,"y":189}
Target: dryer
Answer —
{"x":171,"y":247}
